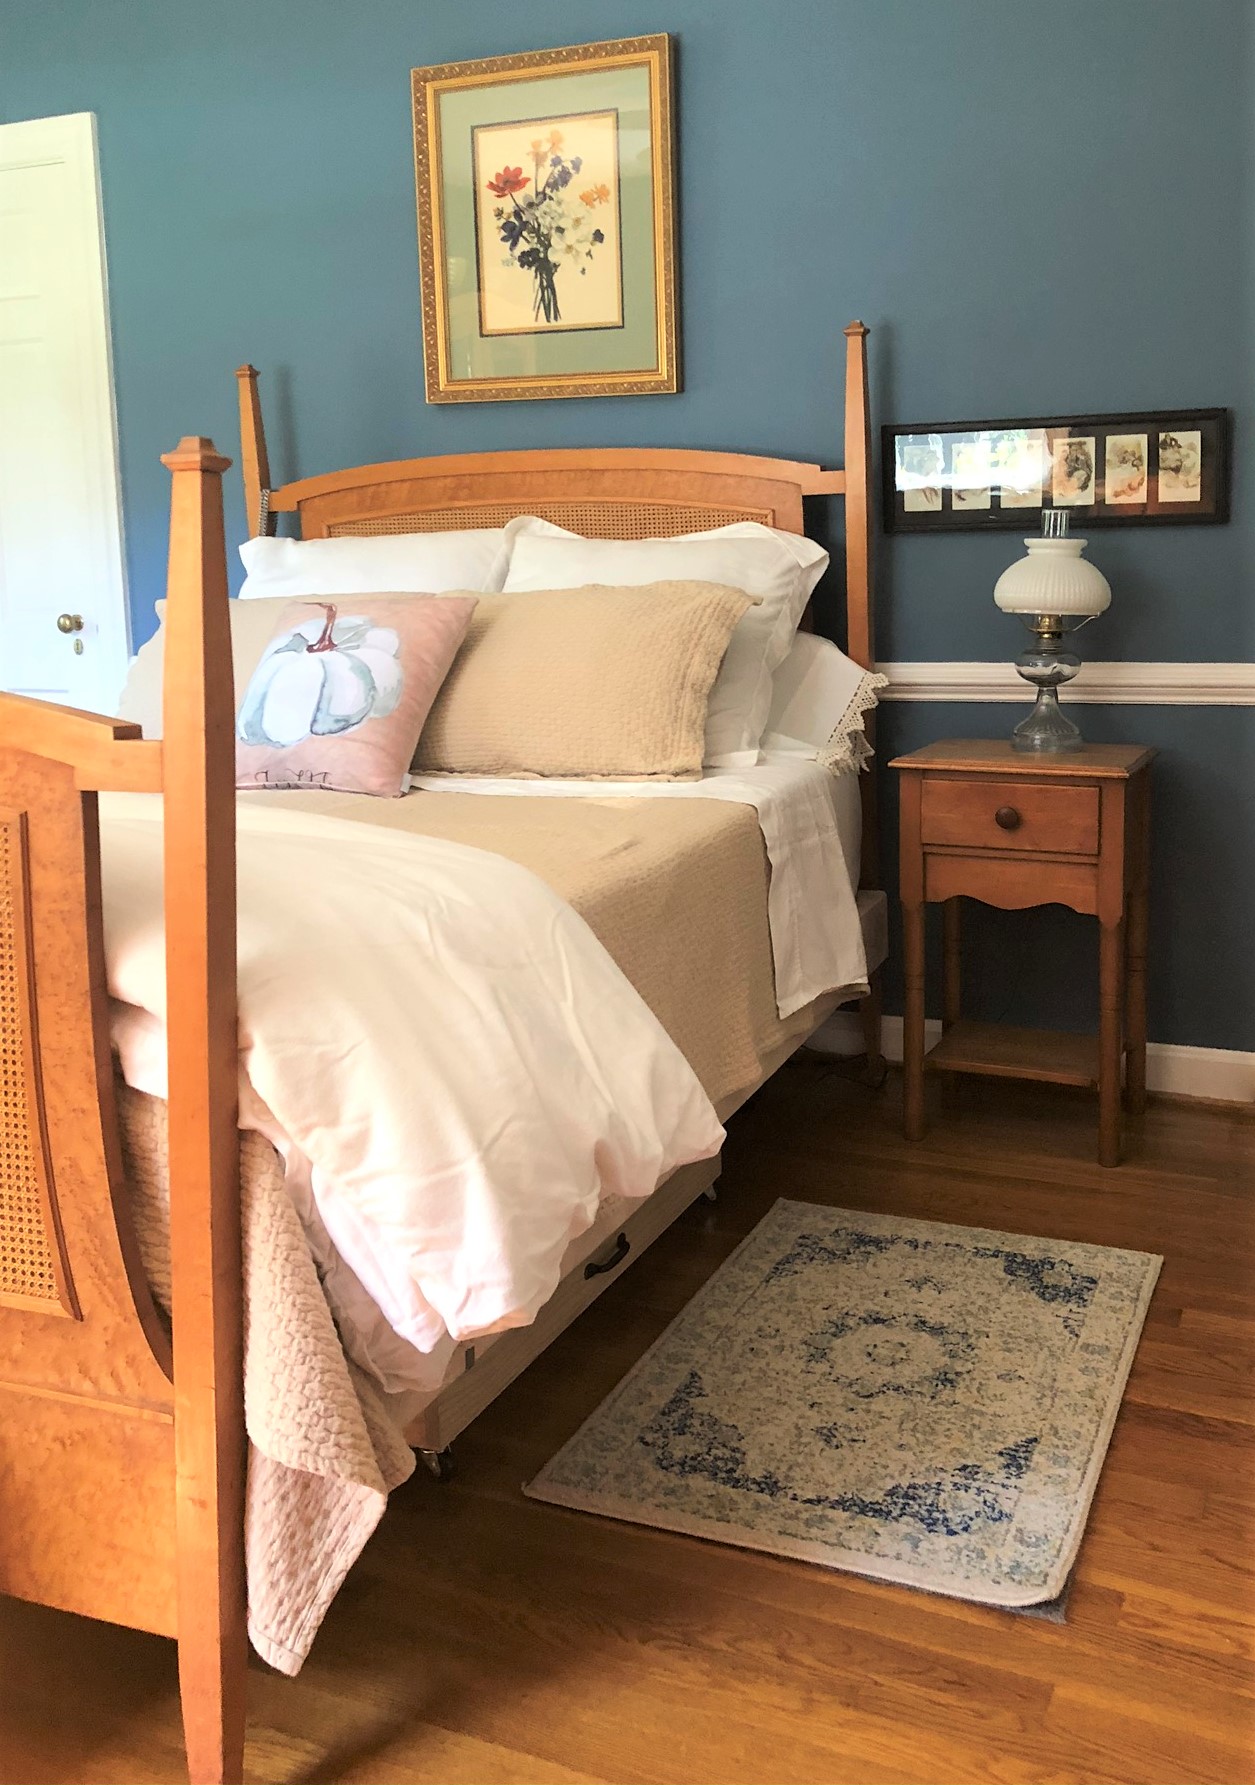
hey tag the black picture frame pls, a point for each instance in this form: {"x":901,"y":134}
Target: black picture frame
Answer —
{"x":1072,"y":455}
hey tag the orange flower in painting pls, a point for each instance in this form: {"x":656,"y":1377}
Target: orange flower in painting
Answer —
{"x":555,"y":139}
{"x":595,"y":195}
{"x":510,"y":179}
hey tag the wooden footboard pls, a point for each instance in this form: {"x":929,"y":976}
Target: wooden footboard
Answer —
{"x":121,"y":1454}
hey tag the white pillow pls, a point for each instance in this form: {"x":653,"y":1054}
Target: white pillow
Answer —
{"x":252,"y":627}
{"x":820,"y":701}
{"x":472,"y":560}
{"x":780,"y":568}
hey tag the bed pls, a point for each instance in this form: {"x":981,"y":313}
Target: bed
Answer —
{"x":122,"y":1451}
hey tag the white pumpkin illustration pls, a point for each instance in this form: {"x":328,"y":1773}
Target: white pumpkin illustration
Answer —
{"x":321,"y":678}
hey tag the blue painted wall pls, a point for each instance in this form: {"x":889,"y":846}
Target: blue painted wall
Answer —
{"x":1035,"y":212}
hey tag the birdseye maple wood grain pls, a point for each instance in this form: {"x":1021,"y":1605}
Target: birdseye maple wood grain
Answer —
{"x":121,"y":1454}
{"x":981,"y":820}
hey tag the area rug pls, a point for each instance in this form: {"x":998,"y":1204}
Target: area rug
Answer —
{"x":925,"y":1404}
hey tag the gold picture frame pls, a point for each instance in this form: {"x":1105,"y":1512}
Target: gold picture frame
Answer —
{"x":552,"y":274}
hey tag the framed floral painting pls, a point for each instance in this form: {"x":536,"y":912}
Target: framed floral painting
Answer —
{"x":546,"y":223}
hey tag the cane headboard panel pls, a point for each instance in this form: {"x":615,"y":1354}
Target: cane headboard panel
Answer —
{"x":597,"y":520}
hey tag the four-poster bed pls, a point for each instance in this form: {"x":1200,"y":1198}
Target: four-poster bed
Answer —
{"x":122,"y":1444}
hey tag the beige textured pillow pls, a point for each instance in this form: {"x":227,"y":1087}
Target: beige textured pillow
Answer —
{"x":601,"y":683}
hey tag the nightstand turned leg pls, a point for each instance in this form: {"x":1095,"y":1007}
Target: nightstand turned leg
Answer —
{"x":913,"y":1021}
{"x":1135,"y":1004}
{"x":1110,"y":1040}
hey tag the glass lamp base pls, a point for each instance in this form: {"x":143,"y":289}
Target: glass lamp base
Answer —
{"x":1047,"y":728}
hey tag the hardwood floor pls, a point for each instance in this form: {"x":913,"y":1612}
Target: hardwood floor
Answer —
{"x":485,"y":1639}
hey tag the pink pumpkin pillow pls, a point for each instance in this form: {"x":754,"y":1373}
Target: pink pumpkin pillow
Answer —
{"x":343,"y":688}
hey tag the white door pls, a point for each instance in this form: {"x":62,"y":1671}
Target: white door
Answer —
{"x":60,"y":512}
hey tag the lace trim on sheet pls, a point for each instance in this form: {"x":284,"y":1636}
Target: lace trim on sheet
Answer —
{"x":848,"y":749}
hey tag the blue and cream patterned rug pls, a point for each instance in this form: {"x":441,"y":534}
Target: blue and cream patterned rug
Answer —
{"x":920,"y":1403}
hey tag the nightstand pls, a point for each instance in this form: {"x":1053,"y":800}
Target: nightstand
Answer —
{"x":981,"y":820}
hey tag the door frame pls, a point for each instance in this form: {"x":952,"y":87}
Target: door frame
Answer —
{"x":71,"y":139}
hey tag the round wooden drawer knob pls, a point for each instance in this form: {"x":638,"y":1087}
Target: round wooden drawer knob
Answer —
{"x":1007,"y":818}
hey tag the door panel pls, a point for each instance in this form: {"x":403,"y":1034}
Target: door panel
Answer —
{"x":60,"y":523}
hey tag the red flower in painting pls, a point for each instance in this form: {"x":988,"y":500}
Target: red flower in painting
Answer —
{"x":510,"y":179}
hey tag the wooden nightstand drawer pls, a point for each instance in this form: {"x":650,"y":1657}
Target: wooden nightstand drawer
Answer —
{"x":988,"y":814}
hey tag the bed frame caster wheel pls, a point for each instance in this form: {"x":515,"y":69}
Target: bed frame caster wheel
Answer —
{"x":438,"y":1463}
{"x":875,"y":1073}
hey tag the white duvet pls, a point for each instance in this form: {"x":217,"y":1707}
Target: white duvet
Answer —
{"x":440,"y":1035}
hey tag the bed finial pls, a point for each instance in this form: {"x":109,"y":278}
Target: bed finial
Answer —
{"x":254,"y":460}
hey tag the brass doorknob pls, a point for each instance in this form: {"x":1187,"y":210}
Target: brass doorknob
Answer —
{"x":69,"y":622}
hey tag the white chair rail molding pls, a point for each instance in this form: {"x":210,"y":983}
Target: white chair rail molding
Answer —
{"x":1099,"y":684}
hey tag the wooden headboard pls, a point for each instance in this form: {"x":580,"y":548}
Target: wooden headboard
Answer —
{"x":610,"y":493}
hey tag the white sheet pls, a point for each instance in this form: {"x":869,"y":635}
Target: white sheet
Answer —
{"x":440,"y":1036}
{"x":810,"y":824}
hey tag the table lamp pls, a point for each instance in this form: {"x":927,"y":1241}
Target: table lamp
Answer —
{"x":1055,"y":591}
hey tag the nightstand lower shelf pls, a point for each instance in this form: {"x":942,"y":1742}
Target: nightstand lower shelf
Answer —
{"x":996,"y":1050}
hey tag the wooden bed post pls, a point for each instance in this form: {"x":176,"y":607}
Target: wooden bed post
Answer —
{"x":860,"y":634}
{"x":860,"y":631}
{"x":202,"y":1028}
{"x":254,"y":459}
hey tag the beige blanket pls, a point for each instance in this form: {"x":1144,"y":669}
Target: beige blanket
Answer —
{"x":677,"y":894}
{"x":323,"y":1452}
{"x":674,"y":890}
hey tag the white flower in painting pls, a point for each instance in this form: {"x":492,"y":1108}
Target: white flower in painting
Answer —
{"x":576,"y":240}
{"x":321,"y":678}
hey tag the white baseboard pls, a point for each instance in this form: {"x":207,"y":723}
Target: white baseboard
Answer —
{"x":1220,"y":1074}
{"x":1099,"y":684}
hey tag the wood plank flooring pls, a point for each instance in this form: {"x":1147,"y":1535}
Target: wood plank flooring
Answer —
{"x":485,"y":1639}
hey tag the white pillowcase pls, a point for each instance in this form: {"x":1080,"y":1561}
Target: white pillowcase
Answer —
{"x":780,"y":568}
{"x":472,"y":560}
{"x":819,"y":706}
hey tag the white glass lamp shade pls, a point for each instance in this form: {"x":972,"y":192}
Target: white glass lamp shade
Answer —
{"x":1053,"y":579}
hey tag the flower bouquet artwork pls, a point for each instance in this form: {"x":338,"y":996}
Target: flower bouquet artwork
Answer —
{"x":546,"y":223}
{"x":548,"y":235}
